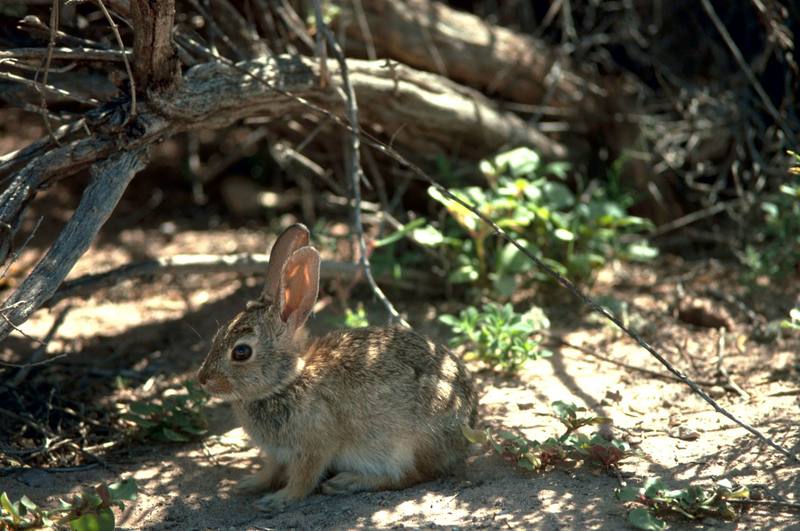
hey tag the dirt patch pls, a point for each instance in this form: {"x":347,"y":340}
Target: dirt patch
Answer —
{"x":143,"y":336}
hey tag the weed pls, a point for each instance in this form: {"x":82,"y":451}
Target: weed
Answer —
{"x":175,"y":417}
{"x":570,"y":446}
{"x":693,"y":502}
{"x":498,"y":335}
{"x":793,"y":322}
{"x":90,"y":510}
{"x":356,"y":318}
{"x":573,"y":236}
{"x":776,"y":251}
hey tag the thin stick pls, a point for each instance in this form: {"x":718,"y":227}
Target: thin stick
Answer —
{"x":54,"y":23}
{"x":737,"y":54}
{"x":61,"y":92}
{"x":66,"y":53}
{"x":39,"y":355}
{"x":122,"y":53}
{"x":356,"y":173}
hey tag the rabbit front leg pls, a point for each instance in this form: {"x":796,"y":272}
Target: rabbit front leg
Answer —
{"x":271,"y":477}
{"x":303,"y":473}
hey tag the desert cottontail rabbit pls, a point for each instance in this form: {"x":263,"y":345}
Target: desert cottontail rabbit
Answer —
{"x":368,"y":409}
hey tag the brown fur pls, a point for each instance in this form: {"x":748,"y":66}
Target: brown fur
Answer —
{"x":376,"y":408}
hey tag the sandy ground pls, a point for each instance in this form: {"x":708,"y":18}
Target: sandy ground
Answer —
{"x":162,"y":327}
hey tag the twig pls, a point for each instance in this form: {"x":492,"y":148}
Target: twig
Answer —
{"x":38,"y":356}
{"x":122,"y":53}
{"x":64,"y":52}
{"x":722,"y":372}
{"x":354,"y":161}
{"x":109,"y":180}
{"x":584,"y":350}
{"x":737,"y":54}
{"x":187,"y":264}
{"x":61,"y":92}
{"x":54,"y":23}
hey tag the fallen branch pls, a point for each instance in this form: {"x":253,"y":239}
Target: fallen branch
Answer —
{"x":424,"y":115}
{"x":464,"y":47}
{"x":109,"y":180}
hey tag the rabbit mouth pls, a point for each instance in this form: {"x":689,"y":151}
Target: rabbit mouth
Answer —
{"x":218,"y":386}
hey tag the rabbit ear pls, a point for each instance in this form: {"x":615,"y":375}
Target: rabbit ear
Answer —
{"x":288,"y":242}
{"x":299,"y":286}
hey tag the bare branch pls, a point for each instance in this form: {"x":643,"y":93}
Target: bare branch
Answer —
{"x":354,"y":163}
{"x":63,"y":52}
{"x":48,"y":88}
{"x":109,"y":180}
{"x":122,"y":54}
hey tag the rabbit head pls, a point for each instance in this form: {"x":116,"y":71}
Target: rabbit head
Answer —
{"x":259,"y":352}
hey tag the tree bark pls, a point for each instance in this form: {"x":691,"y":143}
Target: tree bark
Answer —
{"x":156,"y":66}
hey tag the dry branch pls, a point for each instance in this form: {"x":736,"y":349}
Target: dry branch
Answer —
{"x":188,"y":264}
{"x":109,"y":180}
{"x":432,"y":36}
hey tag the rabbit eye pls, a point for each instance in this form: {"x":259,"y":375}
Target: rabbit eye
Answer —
{"x":241,"y":352}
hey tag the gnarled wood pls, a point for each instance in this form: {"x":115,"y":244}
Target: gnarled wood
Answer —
{"x":156,"y":65}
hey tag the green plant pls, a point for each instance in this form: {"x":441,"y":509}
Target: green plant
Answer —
{"x":794,"y":320}
{"x":499,"y":335}
{"x":175,"y":417}
{"x":775,"y":248}
{"x":571,"y":235}
{"x":570,"y":446}
{"x":356,"y":318}
{"x":655,"y":499}
{"x":88,"y":511}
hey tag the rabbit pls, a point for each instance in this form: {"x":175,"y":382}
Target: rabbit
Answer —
{"x":375,"y":408}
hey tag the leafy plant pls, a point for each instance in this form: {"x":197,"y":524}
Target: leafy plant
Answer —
{"x":499,"y":335}
{"x":775,"y":251}
{"x":175,"y":417}
{"x":356,"y":318}
{"x":794,"y":320}
{"x":573,"y":236}
{"x":88,"y":511}
{"x":655,"y":499}
{"x":570,"y":446}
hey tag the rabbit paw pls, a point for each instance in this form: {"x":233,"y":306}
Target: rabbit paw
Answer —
{"x":345,"y":482}
{"x":253,"y":484}
{"x":272,"y":503}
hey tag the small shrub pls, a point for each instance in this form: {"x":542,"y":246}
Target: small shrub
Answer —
{"x":571,"y":446}
{"x":356,"y":318}
{"x":774,"y":251}
{"x":793,"y":322}
{"x":572,"y":236}
{"x":655,"y":499}
{"x":498,"y":335}
{"x":175,"y":417}
{"x":88,"y":511}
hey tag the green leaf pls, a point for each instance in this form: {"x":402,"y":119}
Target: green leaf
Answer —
{"x":123,"y":490}
{"x":640,"y":518}
{"x":172,"y":435}
{"x":28,"y":503}
{"x":628,"y":494}
{"x":516,"y":162}
{"x":9,"y":507}
{"x":473,"y":435}
{"x":429,"y":236}
{"x":564,"y":235}
{"x":102,"y":521}
{"x":653,"y":486}
{"x":400,"y":233}
{"x":144,"y":409}
{"x":641,"y":252}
